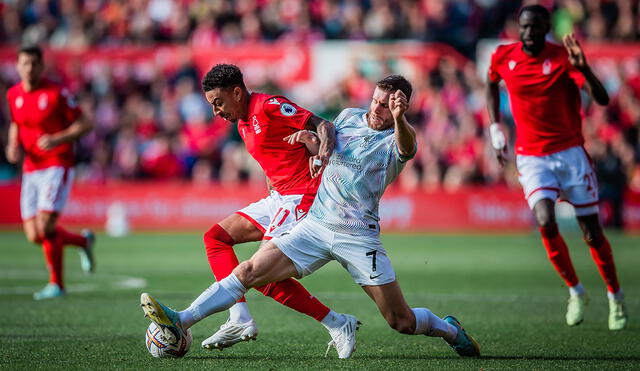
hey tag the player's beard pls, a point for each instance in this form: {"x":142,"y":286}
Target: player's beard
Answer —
{"x":376,"y":122}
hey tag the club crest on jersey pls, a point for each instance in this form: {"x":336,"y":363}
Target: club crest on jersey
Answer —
{"x":546,"y":67}
{"x":43,"y":101}
{"x":273,"y":101}
{"x":287,"y":109}
{"x":256,"y":125}
{"x":512,"y":65}
{"x":19,"y":102}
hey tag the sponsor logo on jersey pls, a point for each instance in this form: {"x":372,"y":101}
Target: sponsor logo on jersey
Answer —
{"x":273,"y":101}
{"x":546,"y":67}
{"x":300,"y":213}
{"x":256,"y":125}
{"x":512,"y":65}
{"x":287,"y":109}
{"x":19,"y":102}
{"x":43,"y":101}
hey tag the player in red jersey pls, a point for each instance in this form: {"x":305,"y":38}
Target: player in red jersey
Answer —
{"x":45,"y":122}
{"x":268,"y":126}
{"x":543,"y":81}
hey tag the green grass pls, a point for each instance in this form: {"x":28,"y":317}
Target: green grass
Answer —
{"x":500,"y":286}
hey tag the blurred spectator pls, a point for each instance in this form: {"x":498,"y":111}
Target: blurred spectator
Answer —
{"x":154,"y":123}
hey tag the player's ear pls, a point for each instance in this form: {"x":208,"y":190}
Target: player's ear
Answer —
{"x":237,"y":93}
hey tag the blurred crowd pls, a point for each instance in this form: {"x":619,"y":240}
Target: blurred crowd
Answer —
{"x":83,"y":23}
{"x":153,"y":125}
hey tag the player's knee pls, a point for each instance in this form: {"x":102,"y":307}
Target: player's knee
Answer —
{"x":544,"y":219}
{"x":543,"y":211}
{"x":34,"y":238}
{"x":402,"y":324}
{"x":246,"y":273}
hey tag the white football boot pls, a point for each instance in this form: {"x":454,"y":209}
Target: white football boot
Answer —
{"x":231,"y":333}
{"x":344,"y":338}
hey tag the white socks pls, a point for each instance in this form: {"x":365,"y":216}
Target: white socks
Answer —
{"x":429,"y":324}
{"x":216,"y":298}
{"x":333,"y":320}
{"x":618,"y":296}
{"x":577,"y":290}
{"x":239,"y":313}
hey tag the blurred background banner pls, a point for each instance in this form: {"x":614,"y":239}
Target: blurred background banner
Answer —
{"x":175,"y":206}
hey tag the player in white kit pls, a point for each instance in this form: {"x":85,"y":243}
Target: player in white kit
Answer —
{"x":372,"y":147}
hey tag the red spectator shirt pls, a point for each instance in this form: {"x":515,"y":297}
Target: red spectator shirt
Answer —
{"x":271,"y":118}
{"x":47,"y":109}
{"x":545,"y":97}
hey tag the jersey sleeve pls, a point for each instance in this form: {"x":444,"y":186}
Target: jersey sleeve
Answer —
{"x":69,"y":106}
{"x":493,"y":74}
{"x":401,"y":158}
{"x":286,"y":112}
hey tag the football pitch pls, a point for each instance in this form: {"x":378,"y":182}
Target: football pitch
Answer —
{"x":501,"y":287}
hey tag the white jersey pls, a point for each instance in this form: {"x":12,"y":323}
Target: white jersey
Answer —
{"x":364,"y":162}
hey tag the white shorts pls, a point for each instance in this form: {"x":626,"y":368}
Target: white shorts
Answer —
{"x":276,"y":214}
{"x":45,"y":190}
{"x":566,"y":175}
{"x":311,"y":245}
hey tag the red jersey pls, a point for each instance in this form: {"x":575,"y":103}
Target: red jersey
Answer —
{"x":271,"y":118}
{"x":545,"y":97}
{"x":47,"y":109}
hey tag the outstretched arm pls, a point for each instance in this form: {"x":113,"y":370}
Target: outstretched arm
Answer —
{"x":404,"y":133}
{"x":498,"y":140}
{"x":306,"y":137}
{"x":579,"y":61}
{"x":327,"y":135}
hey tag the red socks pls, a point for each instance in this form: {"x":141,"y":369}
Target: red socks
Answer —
{"x":52,"y":247}
{"x":52,"y":250}
{"x":69,"y":238}
{"x":558,"y":254}
{"x":291,"y":293}
{"x":603,"y":258}
{"x":222,"y":260}
{"x":219,"y":248}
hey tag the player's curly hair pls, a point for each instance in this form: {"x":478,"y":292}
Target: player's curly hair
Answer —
{"x":536,"y":9}
{"x":222,"y":76}
{"x":392,"y":83}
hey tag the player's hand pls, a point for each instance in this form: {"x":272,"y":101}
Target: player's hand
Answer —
{"x":302,"y":136}
{"x":13,"y":154}
{"x":398,"y":104}
{"x":47,"y":142}
{"x":317,"y":163}
{"x":502,"y":155}
{"x":576,"y":55}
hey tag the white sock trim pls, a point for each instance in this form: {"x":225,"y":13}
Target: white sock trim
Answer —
{"x":233,"y":285}
{"x":577,"y":290}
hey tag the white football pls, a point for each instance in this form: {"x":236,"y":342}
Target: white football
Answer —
{"x":159,"y":347}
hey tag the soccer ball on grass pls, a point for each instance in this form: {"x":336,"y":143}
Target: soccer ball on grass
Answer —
{"x":159,"y":347}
